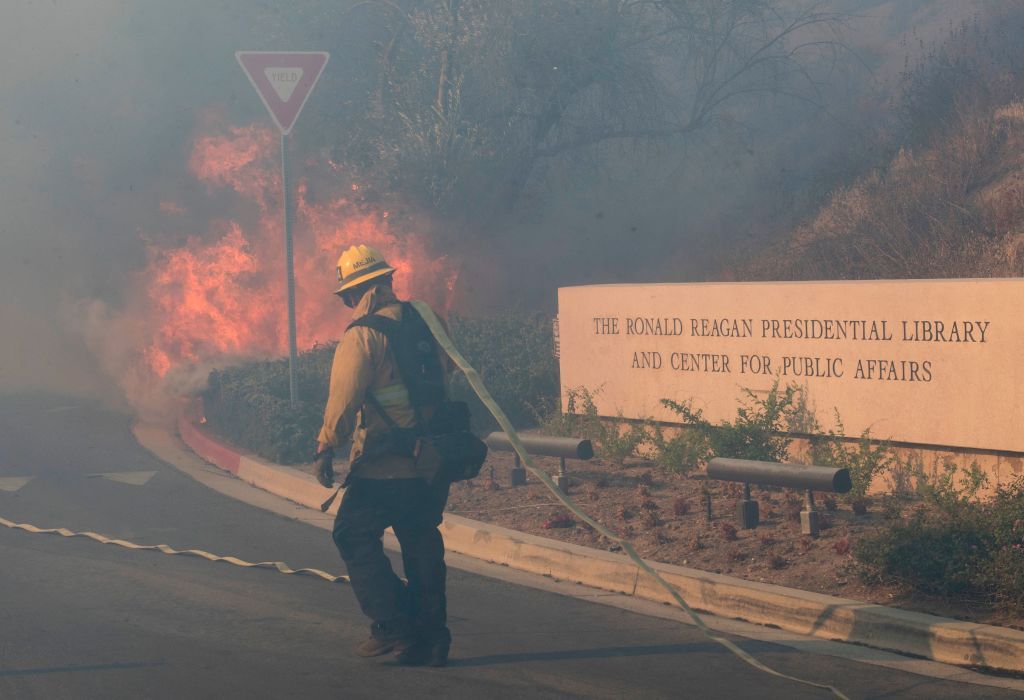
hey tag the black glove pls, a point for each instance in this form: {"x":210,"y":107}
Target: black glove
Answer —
{"x":323,"y":467}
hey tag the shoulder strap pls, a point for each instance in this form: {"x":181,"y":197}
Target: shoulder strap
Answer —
{"x":383,"y":324}
{"x":376,"y":405}
{"x":389,"y":327}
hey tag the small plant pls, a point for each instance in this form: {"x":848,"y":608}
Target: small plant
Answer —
{"x":613,"y":441}
{"x":776,"y":561}
{"x":697,"y":542}
{"x":830,"y":504}
{"x":662,"y":537}
{"x":944,"y":489}
{"x":680,"y":507}
{"x":891,"y":508}
{"x":728,"y":531}
{"x":649,"y":505}
{"x":642,"y":491}
{"x":864,"y":461}
{"x":736,"y":554}
{"x":561,"y":520}
{"x":755,"y":433}
{"x":682,"y":453}
{"x":767,"y":540}
{"x":859,"y":506}
{"x":650,"y":520}
{"x":842,"y":546}
{"x":625,"y":513}
{"x":615,"y":444}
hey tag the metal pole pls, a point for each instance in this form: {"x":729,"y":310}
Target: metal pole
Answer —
{"x":293,"y":352}
{"x":562,"y":479}
{"x":810,"y":522}
{"x":748,"y":511}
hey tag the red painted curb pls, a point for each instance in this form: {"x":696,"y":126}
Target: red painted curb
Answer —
{"x":209,"y":449}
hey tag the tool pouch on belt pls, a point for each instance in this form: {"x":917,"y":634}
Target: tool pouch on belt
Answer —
{"x":443,"y":449}
{"x":459,"y":452}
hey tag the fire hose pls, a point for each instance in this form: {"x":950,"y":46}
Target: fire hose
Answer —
{"x":485,"y":396}
{"x":481,"y":391}
{"x":278,"y":565}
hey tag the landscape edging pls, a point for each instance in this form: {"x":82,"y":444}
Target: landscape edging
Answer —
{"x":919,"y":634}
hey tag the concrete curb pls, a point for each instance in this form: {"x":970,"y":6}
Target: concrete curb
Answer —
{"x":840,"y":619}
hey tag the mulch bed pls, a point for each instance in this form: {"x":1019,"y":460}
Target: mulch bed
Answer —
{"x":664,"y":515}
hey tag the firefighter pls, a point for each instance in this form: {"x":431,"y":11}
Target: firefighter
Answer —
{"x":370,"y":404}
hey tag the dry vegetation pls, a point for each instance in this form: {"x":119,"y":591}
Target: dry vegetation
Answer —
{"x":950,"y":202}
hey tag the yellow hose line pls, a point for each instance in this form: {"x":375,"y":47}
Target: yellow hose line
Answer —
{"x":278,"y":565}
{"x":485,"y":396}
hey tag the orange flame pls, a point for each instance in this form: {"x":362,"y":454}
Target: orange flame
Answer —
{"x":228,"y":297}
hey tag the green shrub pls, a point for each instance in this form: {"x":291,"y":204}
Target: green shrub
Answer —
{"x":614,"y":439}
{"x":579,"y":418}
{"x":865,"y":460}
{"x":514,"y":355}
{"x":249,"y":405}
{"x":943,"y":488}
{"x":754,"y":434}
{"x":954,"y":544}
{"x":619,"y":439}
{"x":682,"y":453}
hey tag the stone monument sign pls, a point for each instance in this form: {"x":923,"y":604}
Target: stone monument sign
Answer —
{"x":929,"y":362}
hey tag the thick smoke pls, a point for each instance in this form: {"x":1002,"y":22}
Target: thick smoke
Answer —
{"x":104,"y":102}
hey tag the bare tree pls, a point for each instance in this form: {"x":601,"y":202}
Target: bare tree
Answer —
{"x":472,"y":97}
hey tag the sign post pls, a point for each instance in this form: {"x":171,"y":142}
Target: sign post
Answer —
{"x":284,"y":81}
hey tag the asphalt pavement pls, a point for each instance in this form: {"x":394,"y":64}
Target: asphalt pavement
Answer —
{"x":81,"y":619}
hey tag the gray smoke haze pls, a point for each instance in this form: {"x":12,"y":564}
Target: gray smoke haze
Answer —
{"x":101,"y":102}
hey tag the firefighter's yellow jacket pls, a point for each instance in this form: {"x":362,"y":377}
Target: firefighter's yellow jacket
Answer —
{"x":363,"y":363}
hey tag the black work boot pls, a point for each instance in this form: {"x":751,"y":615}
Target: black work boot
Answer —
{"x":431,"y":651}
{"x":386,"y":637}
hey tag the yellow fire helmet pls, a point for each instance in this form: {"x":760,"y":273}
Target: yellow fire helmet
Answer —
{"x":359,"y":264}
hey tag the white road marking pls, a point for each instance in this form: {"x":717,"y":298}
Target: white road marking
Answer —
{"x":13,"y":483}
{"x":132,"y":478}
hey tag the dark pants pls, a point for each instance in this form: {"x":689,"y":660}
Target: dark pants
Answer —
{"x":414,"y":510}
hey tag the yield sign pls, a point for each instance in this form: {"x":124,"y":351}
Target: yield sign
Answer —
{"x":284,"y":80}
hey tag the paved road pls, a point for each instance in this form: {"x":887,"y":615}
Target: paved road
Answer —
{"x":85,"y":620}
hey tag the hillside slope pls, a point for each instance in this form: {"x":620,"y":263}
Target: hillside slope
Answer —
{"x":950,"y":200}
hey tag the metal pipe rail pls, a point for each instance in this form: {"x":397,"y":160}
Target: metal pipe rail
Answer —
{"x":796,"y":476}
{"x":546,"y":446}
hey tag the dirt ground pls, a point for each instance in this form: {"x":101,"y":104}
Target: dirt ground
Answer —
{"x":664,"y":515}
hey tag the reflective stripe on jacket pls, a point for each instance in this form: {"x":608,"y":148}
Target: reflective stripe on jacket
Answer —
{"x":362,"y":363}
